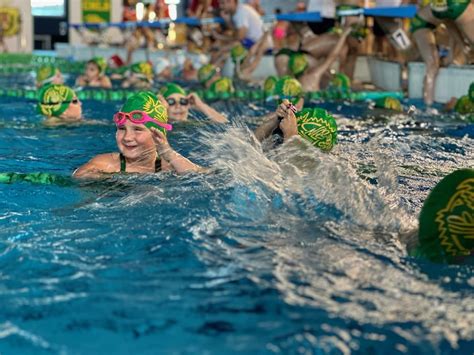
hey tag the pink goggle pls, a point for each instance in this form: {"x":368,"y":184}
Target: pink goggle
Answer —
{"x":138,"y":117}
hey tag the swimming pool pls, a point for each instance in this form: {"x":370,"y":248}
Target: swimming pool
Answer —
{"x":277,"y":252}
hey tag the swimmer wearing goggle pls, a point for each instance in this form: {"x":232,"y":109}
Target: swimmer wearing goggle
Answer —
{"x":179,"y":103}
{"x":141,"y":141}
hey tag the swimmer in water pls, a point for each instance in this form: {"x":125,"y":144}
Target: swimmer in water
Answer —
{"x":210,"y":77}
{"x":48,"y":74}
{"x":139,"y":76}
{"x":60,"y":105}
{"x":179,"y":103}
{"x":142,"y":143}
{"x":94,"y":75}
{"x":290,"y":119}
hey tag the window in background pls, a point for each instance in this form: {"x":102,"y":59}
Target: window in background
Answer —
{"x":49,"y":8}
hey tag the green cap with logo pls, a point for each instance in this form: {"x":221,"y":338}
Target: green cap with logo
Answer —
{"x":318,"y":127}
{"x":446,"y":231}
{"x":45,"y":74}
{"x":389,"y":103}
{"x":54,"y":99}
{"x":269,"y":85}
{"x":238,"y":53}
{"x":143,"y":70}
{"x":297,"y":63}
{"x":147,"y":102}
{"x":222,"y":85}
{"x":288,"y":88}
{"x":340,"y":81}
{"x":206,"y":72}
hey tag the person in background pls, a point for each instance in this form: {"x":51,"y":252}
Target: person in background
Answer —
{"x":139,"y":76}
{"x":94,"y":75}
{"x":279,"y":32}
{"x":59,"y":104}
{"x":246,"y":26}
{"x":48,"y":74}
{"x":179,"y":103}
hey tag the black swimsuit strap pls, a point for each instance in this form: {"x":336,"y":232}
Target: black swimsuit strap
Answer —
{"x":123,"y":164}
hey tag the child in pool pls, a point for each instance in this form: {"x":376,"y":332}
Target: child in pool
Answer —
{"x":60,"y":105}
{"x":94,"y":75}
{"x":141,"y":140}
{"x":139,"y":76}
{"x":179,"y":102}
{"x":48,"y":74}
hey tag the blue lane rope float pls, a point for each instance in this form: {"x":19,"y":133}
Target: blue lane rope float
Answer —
{"x":406,"y":11}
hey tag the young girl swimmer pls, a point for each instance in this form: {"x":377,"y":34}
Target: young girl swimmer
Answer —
{"x":141,"y":140}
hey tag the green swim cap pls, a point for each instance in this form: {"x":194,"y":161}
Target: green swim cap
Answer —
{"x":471,"y":92}
{"x":238,"y":53}
{"x":222,"y":85}
{"x":317,"y":126}
{"x":170,"y":89}
{"x":206,"y":72}
{"x":464,"y":105}
{"x":45,"y":74}
{"x":340,"y":81}
{"x":269,"y":85}
{"x":143,"y":70}
{"x":288,"y":88}
{"x":54,"y":99}
{"x":147,"y":101}
{"x":297,"y":63}
{"x":390,"y":103}
{"x":101,"y":64}
{"x":447,"y":219}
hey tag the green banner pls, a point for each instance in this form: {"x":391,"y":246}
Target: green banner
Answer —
{"x":96,"y":11}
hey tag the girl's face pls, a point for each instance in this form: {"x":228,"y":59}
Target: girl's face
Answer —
{"x":73,"y":112}
{"x":178,"y":107}
{"x":134,"y":141}
{"x":92,"y":71}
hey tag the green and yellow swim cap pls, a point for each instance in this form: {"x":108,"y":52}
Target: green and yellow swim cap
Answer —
{"x":45,"y":74}
{"x":222,"y":86}
{"x":54,"y":99}
{"x":464,"y":105}
{"x":172,"y":88}
{"x":288,"y":88}
{"x":143,"y":70}
{"x":297,"y":63}
{"x":238,"y":53}
{"x":340,"y":81}
{"x":269,"y":85}
{"x":101,"y":64}
{"x":446,"y":230}
{"x":318,"y":127}
{"x":147,"y":102}
{"x":206,"y":72}
{"x":390,"y":103}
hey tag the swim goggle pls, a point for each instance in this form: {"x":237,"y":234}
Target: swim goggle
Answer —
{"x":182,"y":101}
{"x":138,"y":117}
{"x":74,"y":101}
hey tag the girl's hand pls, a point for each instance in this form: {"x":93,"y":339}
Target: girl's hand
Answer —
{"x":161,"y":142}
{"x":288,"y":125}
{"x":195,"y":100}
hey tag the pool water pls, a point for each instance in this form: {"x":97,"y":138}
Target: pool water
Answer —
{"x":288,"y":251}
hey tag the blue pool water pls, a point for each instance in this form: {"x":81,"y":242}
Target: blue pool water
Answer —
{"x":290,"y":251}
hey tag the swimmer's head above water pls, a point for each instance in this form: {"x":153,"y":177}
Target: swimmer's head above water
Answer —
{"x":288,"y":88}
{"x":59,"y":101}
{"x":48,"y":74}
{"x":178,"y":101}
